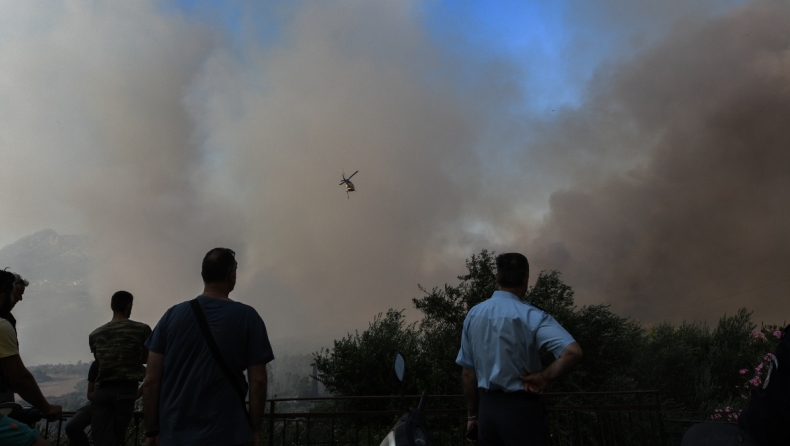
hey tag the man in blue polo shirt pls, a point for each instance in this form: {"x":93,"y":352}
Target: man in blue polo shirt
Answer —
{"x":502,"y":373}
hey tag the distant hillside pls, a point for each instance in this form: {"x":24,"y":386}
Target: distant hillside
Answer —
{"x":52,"y":262}
{"x":58,"y":311}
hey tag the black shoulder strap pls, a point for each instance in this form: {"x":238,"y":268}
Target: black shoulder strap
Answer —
{"x":212,"y":345}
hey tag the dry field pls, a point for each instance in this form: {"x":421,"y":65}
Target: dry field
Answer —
{"x":61,"y":384}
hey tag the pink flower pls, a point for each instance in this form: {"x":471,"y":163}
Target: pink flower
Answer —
{"x":778,"y":334}
{"x":743,"y":371}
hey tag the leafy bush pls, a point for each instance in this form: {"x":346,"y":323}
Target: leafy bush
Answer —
{"x":695,"y":368}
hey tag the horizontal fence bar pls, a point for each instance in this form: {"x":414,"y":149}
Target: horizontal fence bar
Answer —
{"x":384,"y":397}
{"x":634,"y":417}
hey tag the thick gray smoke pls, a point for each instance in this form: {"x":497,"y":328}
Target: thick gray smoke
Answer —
{"x":156,"y":137}
{"x":699,"y":226}
{"x":162,"y":137}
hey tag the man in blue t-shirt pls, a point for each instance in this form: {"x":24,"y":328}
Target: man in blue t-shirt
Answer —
{"x":187,"y":398}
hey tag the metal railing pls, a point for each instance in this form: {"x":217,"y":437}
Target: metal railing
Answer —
{"x":54,"y":431}
{"x":584,"y":419}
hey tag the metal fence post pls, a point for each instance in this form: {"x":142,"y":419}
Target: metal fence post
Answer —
{"x":661,"y":432}
{"x":271,"y":423}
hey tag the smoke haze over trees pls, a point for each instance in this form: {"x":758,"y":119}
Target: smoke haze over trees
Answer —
{"x":696,"y":367}
{"x":636,"y":147}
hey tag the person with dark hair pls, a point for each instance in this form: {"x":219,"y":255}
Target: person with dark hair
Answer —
{"x":18,"y":291}
{"x":75,"y":428}
{"x":6,"y":392}
{"x":12,"y":432}
{"x":118,"y":348}
{"x":217,"y":265}
{"x":194,"y":389}
{"x":502,"y":373}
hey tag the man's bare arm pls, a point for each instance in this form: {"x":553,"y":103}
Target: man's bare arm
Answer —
{"x":469,"y":380}
{"x":258,"y":388}
{"x":151,"y":386}
{"x":25,"y":385}
{"x":472,"y":396}
{"x":569,"y":358}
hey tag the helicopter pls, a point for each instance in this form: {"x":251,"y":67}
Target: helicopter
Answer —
{"x":348,"y":183}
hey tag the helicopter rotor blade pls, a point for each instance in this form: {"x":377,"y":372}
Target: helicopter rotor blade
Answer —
{"x":352,"y":175}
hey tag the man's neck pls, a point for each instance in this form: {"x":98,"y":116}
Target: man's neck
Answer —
{"x":216,"y":292}
{"x":118,"y":317}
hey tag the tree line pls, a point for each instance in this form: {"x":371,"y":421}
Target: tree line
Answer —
{"x":696,"y":367}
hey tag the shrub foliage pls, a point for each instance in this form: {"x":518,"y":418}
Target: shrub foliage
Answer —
{"x":696,"y":367}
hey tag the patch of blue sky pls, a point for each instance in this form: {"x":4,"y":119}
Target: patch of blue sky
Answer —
{"x":559,"y":45}
{"x":528,"y":45}
{"x":241,"y":23}
{"x":529,"y":36}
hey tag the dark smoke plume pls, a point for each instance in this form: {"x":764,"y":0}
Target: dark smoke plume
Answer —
{"x":699,"y":225}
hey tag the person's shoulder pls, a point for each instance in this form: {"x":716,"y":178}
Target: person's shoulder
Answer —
{"x":480,"y":308}
{"x":139,"y":325}
{"x":6,"y":328}
{"x":174,"y":312}
{"x":486,"y":303}
{"x":231,"y":305}
{"x":245,"y":307}
{"x":532,"y":305}
{"x":247,"y":311}
{"x":176,"y":309}
{"x":99,"y":330}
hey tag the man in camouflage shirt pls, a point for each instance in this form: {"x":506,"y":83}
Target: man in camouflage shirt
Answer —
{"x":119,"y":350}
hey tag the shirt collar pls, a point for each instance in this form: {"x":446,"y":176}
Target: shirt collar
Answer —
{"x":505,"y":295}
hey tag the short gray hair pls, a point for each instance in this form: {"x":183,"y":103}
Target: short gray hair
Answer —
{"x":20,"y":280}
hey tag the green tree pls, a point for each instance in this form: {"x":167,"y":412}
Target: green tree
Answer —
{"x":444,"y":310}
{"x":609,"y":341}
{"x":696,"y":368}
{"x":362,"y":364}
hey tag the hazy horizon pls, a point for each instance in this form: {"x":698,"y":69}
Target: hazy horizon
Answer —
{"x":638,"y":148}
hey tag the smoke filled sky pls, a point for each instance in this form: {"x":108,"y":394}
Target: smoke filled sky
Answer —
{"x":638,"y":147}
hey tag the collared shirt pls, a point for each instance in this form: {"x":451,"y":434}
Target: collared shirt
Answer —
{"x":502,"y":338}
